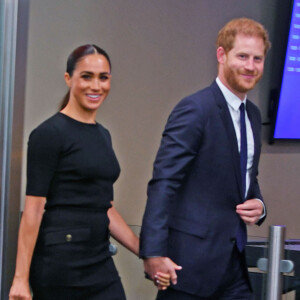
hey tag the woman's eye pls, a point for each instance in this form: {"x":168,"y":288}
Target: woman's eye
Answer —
{"x":103,"y":77}
{"x":86,"y":76}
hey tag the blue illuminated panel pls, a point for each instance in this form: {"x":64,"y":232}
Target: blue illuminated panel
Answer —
{"x":288,"y":116}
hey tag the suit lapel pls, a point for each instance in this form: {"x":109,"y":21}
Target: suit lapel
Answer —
{"x":228,"y":125}
{"x":256,"y":132}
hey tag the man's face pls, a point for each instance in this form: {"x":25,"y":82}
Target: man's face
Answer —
{"x":242,"y":67}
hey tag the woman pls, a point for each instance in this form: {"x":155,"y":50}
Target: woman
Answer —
{"x":63,"y":245}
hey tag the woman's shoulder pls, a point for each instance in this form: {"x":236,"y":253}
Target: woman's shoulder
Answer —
{"x":48,"y":128}
{"x":102,"y":128}
{"x":103,"y":131}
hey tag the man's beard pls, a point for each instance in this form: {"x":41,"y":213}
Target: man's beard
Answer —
{"x":236,"y":83}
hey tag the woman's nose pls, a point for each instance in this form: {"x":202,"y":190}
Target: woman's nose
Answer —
{"x":96,"y":85}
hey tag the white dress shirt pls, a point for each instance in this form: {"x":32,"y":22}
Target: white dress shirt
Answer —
{"x":234,"y":103}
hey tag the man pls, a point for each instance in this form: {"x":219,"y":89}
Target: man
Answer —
{"x":204,"y":189}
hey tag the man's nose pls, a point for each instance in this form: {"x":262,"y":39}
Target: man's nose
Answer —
{"x":250,"y":64}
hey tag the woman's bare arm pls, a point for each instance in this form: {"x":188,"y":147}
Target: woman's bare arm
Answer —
{"x":28,"y":231}
{"x":122,"y":232}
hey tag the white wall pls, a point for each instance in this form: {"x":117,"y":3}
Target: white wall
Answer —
{"x":161,"y":50}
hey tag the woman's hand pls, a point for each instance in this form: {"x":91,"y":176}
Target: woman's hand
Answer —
{"x":20,"y":290}
{"x":162,"y":280}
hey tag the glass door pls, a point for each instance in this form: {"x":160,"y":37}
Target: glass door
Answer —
{"x":8,"y":20}
{"x":13,"y":39}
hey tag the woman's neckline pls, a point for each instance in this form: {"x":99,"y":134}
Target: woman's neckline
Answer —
{"x":77,"y":121}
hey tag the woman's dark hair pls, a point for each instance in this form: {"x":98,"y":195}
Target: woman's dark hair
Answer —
{"x":76,"y":56}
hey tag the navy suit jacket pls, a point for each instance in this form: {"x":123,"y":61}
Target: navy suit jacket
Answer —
{"x":196,"y":185}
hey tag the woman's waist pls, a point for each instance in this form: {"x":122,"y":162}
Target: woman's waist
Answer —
{"x":78,"y":197}
{"x":73,"y":217}
{"x":49,"y":207}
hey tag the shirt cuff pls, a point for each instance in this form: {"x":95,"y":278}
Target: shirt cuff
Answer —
{"x":264,"y":212}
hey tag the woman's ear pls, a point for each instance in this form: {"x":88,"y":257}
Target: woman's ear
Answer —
{"x":67,"y":79}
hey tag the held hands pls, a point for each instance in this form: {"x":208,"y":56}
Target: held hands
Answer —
{"x":250,"y":211}
{"x":161,"y":270}
{"x":20,"y":290}
{"x":162,"y":280}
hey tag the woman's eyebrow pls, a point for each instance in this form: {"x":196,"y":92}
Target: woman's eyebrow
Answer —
{"x":91,"y":73}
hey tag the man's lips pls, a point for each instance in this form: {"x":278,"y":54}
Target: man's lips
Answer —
{"x":248,"y":76}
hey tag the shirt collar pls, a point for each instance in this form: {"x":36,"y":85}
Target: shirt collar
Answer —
{"x":231,"y":99}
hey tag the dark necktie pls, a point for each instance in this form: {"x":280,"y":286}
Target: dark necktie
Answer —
{"x":242,"y":232}
{"x":243,"y":153}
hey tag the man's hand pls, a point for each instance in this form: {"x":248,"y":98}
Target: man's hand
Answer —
{"x":155,"y":265}
{"x":250,"y":211}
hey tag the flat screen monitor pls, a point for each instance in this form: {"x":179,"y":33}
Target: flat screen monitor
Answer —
{"x":287,"y":121}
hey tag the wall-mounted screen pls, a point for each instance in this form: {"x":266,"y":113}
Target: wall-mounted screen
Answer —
{"x":287,"y":124}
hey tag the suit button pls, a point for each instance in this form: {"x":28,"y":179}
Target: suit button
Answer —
{"x":233,"y":241}
{"x":69,"y":237}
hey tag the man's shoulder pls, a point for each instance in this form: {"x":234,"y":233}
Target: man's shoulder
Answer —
{"x":252,"y":105}
{"x":253,"y":108}
{"x":203,"y":97}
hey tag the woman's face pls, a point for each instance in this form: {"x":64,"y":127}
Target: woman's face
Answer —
{"x":90,"y":82}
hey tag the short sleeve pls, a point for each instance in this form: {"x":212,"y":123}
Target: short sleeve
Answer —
{"x":42,"y":159}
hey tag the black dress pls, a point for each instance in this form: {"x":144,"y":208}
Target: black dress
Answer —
{"x":73,"y":165}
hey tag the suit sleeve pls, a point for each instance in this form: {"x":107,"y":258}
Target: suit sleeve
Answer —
{"x":254,"y":191}
{"x":179,"y":145}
